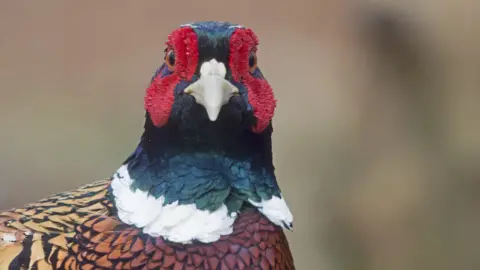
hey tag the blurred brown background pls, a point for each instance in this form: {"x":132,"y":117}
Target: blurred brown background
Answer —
{"x":376,"y":141}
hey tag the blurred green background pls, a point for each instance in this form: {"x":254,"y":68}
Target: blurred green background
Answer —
{"x":377,"y":142}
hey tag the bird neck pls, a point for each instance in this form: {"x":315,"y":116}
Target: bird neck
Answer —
{"x":211,"y":140}
{"x":178,"y":179}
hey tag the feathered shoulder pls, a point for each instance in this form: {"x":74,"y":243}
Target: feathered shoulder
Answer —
{"x":39,"y":235}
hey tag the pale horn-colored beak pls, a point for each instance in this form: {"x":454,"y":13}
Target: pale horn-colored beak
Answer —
{"x":212,"y":90}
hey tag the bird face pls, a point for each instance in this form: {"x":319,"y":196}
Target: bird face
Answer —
{"x":210,"y":76}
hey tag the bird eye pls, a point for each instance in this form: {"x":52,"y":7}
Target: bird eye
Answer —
{"x":170,"y":59}
{"x":252,"y":61}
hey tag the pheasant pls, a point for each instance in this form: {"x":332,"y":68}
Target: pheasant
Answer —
{"x":198,"y":192}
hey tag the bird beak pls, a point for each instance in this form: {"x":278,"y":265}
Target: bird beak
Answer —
{"x":212,"y":90}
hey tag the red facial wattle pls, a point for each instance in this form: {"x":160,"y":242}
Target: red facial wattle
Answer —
{"x":260,"y":94}
{"x":159,"y":96}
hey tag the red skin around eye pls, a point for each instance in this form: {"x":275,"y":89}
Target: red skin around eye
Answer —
{"x":260,"y":93}
{"x":159,"y":96}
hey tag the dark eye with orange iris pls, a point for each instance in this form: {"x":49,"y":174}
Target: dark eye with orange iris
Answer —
{"x":252,"y":61}
{"x":170,"y":59}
